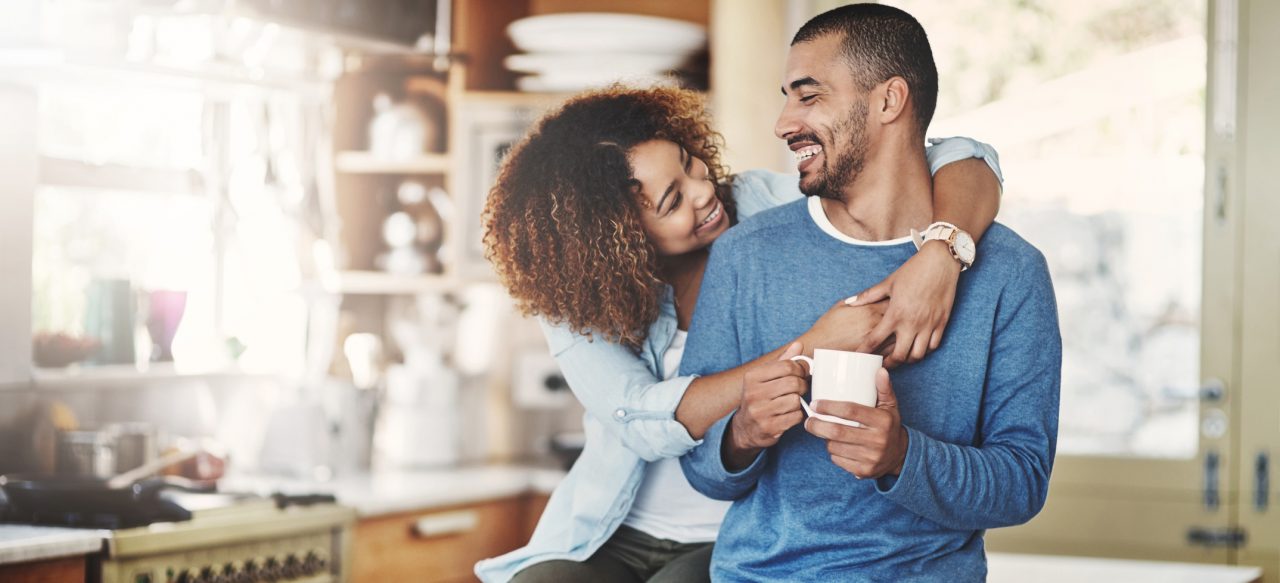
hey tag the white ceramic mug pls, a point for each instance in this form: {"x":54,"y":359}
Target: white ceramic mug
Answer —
{"x":841,"y":376}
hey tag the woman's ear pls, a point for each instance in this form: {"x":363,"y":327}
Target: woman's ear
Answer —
{"x":893,"y":97}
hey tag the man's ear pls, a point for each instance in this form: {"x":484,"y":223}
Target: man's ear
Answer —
{"x":894,"y":96}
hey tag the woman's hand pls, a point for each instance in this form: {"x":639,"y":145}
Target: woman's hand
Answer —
{"x":844,"y":327}
{"x":921,"y":293}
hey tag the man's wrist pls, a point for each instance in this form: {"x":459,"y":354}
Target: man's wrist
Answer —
{"x":735,"y":455}
{"x":902,"y":458}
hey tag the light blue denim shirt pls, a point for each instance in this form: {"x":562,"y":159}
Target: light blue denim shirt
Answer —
{"x":630,"y":418}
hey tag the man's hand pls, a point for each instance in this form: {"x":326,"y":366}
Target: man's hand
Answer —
{"x":921,"y":293}
{"x":877,"y":448}
{"x":770,"y":406}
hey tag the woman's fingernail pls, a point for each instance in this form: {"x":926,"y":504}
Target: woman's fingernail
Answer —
{"x":851,"y":300}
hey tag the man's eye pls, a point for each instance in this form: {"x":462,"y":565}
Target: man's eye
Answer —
{"x":807,"y":98}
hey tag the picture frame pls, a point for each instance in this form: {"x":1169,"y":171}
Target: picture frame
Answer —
{"x":486,"y":132}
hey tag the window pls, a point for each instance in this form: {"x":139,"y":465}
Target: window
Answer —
{"x":178,"y":202}
{"x":1098,"y":110}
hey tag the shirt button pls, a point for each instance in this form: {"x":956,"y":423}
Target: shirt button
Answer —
{"x":619,"y":413}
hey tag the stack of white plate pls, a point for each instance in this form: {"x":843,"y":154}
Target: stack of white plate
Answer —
{"x":574,"y":51}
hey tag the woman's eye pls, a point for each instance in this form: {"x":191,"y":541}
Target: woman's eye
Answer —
{"x":675,"y":203}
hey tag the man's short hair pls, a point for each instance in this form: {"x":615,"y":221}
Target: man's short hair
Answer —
{"x":881,"y":42}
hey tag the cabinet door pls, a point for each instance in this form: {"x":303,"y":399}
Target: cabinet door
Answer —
{"x":1259,"y":508}
{"x":67,"y":569}
{"x":439,"y":545}
{"x":18,"y":162}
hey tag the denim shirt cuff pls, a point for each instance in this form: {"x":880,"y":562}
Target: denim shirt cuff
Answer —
{"x":655,"y":417}
{"x":944,"y":151}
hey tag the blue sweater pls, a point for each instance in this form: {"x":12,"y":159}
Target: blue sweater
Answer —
{"x":981,"y":412}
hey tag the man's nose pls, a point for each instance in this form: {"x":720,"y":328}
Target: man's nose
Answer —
{"x":787,"y":122}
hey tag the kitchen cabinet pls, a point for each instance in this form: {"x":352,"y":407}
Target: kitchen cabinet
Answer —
{"x":66,"y":569}
{"x":18,"y":157}
{"x":442,"y":544}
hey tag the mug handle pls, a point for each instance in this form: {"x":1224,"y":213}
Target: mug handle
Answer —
{"x":807,"y":360}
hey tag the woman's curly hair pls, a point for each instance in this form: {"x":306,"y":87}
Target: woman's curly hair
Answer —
{"x":561,"y":225}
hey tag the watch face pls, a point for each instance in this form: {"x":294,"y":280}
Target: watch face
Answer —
{"x":965,"y":249}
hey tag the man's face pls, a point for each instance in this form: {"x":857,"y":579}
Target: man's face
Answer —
{"x":824,"y":120}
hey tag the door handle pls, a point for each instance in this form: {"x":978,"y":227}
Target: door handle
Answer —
{"x":1231,"y":538}
{"x":1213,"y":390}
{"x":446,"y":523}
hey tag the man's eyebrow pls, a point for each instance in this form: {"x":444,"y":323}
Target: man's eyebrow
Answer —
{"x":801,"y":82}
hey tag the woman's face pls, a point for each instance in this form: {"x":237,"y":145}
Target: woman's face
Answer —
{"x":678,"y":204}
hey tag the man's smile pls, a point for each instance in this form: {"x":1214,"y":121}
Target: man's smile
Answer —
{"x":804,"y":149}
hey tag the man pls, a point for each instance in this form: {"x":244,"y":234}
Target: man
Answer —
{"x":960,"y":442}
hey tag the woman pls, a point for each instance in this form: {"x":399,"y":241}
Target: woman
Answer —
{"x":600,"y":224}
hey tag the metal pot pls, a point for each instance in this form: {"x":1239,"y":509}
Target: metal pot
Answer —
{"x":86,"y":454}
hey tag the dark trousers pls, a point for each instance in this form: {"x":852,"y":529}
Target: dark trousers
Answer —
{"x":629,"y":556}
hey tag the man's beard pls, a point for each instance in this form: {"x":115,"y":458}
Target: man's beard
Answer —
{"x":840,"y":172}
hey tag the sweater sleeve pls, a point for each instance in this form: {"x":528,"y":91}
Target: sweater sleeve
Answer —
{"x":714,"y":346}
{"x":1003,"y":479}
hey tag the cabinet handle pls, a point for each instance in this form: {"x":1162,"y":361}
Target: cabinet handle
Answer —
{"x":446,"y":523}
{"x":1210,"y":498}
{"x":1261,"y":481}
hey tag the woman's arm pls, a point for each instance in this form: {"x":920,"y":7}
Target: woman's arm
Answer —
{"x":711,"y":397}
{"x":922,"y":291}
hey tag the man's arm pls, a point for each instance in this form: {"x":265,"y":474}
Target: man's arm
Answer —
{"x":714,"y":346}
{"x":1000,"y":482}
{"x":709,"y":398}
{"x":1004,"y":480}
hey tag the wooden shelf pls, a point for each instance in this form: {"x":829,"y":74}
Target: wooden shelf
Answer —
{"x":128,"y":376}
{"x":379,"y":283}
{"x":58,"y":68}
{"x":78,"y":174}
{"x":355,"y":162}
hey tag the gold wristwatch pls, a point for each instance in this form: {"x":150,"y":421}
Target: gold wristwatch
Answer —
{"x":959,"y":242}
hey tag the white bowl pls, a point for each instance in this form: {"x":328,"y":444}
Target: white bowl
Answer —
{"x":594,"y":32}
{"x":570,"y":83}
{"x":623,"y":63}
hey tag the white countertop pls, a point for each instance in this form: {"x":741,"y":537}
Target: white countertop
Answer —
{"x":1019,"y":568}
{"x":21,"y":544}
{"x":388,"y":492}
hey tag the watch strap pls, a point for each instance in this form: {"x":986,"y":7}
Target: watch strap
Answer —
{"x":945,"y":232}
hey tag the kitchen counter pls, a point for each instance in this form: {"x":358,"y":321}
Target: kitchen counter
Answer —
{"x":380,"y":493}
{"x":22,"y":544}
{"x":1011,"y":568}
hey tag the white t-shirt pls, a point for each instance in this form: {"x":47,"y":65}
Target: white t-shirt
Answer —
{"x":666,"y":506}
